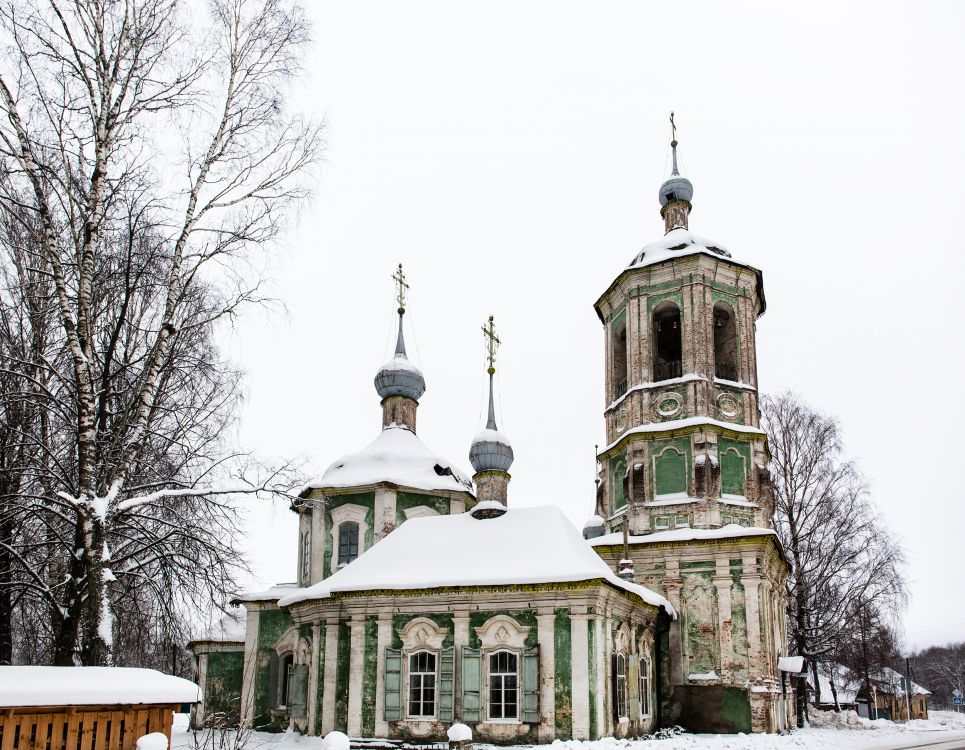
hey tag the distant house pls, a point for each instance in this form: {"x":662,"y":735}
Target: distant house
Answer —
{"x":888,"y":687}
{"x":841,"y":689}
{"x":837,"y":690}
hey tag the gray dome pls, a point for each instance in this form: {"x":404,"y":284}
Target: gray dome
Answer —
{"x":491,"y":451}
{"x":676,"y":188}
{"x":593,"y":527}
{"x":399,"y":377}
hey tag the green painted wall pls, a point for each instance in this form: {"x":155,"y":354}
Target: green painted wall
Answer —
{"x":222,"y":689}
{"x":735,"y":458}
{"x":670,"y":466}
{"x":738,"y":619}
{"x":699,"y":627}
{"x":655,"y":299}
{"x":406,"y":500}
{"x":563,"y":665}
{"x":369,"y":682}
{"x":618,"y":467}
{"x":341,"y":677}
{"x":366,"y":499}
{"x":737,"y":709}
{"x":272,"y":625}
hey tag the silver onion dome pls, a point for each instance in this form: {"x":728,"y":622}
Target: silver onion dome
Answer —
{"x":398,"y":376}
{"x":490,"y":449}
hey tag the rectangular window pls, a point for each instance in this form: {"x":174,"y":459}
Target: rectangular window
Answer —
{"x":348,"y":542}
{"x":621,"y":696}
{"x":503,"y":686}
{"x":306,"y":555}
{"x":645,"y":687}
{"x":422,"y":685}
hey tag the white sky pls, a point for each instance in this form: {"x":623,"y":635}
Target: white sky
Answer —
{"x":509,"y":155}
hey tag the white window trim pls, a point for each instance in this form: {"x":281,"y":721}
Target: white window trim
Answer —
{"x":435,"y":685}
{"x":340,"y":515}
{"x":519,"y":684}
{"x":419,"y":511}
{"x":645,"y":674}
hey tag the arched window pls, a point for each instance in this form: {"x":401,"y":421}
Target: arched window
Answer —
{"x":645,"y":687}
{"x":725,"y":342}
{"x":348,"y":542}
{"x":620,"y":680}
{"x":422,"y":685}
{"x":667,"y":346}
{"x":670,"y":472}
{"x":619,"y":360}
{"x":503,"y":685}
{"x":733,"y":472}
{"x":287,"y":662}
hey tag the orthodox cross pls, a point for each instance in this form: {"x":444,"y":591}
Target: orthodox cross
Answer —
{"x":399,"y":278}
{"x":492,"y":344}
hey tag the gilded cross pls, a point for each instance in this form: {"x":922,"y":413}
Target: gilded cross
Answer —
{"x":399,"y":278}
{"x":492,"y":344}
{"x":673,"y":128}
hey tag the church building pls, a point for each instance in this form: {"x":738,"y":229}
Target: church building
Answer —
{"x":667,"y":610}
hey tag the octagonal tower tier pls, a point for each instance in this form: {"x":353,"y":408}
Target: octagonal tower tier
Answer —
{"x":684,"y":444}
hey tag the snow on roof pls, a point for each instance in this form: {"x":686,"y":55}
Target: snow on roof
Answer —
{"x":396,"y":456}
{"x":677,"y":242}
{"x":230,"y":628}
{"x":730,"y":531}
{"x":91,"y":686}
{"x":676,"y":424}
{"x":844,"y":685}
{"x":522,"y":546}
{"x":895,"y":680}
{"x":272,"y":594}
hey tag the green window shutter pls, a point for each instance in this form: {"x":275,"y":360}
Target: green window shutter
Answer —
{"x":633,"y":687}
{"x":298,"y":691}
{"x":471,"y":684}
{"x":447,"y":665}
{"x":531,"y":686}
{"x":393,"y":684}
{"x":273,"y":684}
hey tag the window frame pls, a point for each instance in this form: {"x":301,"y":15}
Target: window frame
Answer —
{"x":646,"y":706}
{"x":620,"y":699}
{"x":285,"y":663}
{"x":344,"y":527}
{"x":490,"y":674}
{"x":410,"y":674}
{"x":306,"y":555}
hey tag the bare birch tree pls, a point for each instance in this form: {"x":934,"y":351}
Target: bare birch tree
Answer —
{"x":839,"y":550}
{"x":150,"y":164}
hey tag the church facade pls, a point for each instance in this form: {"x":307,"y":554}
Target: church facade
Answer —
{"x":668,"y":608}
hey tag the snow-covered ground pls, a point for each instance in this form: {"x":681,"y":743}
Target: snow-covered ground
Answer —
{"x":835,"y":732}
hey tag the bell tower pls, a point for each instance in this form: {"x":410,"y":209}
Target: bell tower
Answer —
{"x":684,"y":444}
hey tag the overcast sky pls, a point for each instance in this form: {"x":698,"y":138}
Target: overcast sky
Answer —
{"x":509,"y":155}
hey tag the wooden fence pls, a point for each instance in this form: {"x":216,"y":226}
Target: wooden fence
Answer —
{"x":82,"y":727}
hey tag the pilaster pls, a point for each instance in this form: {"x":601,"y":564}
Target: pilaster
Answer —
{"x":722,"y":582}
{"x":752,"y":583}
{"x":313,"y":678}
{"x":355,"y":673}
{"x":672,"y":586}
{"x":545,"y":636}
{"x":249,"y":674}
{"x":383,"y":640}
{"x":460,"y":639}
{"x":580,"y":666}
{"x":329,"y":676}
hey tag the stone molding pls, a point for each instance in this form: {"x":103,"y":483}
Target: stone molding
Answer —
{"x":422,"y":633}
{"x":502,"y":631}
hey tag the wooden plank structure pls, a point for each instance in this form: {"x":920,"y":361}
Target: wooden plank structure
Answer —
{"x":80,"y":708}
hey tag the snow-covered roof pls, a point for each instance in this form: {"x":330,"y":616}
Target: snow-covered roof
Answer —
{"x":230,"y":628}
{"x":678,"y":424}
{"x":730,"y":531}
{"x":396,"y":456}
{"x":677,"y":242}
{"x":91,"y":686}
{"x":844,"y":685}
{"x":522,"y":546}
{"x":895,"y":680}
{"x":272,"y":594}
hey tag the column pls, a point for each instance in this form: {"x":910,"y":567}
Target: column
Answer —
{"x":318,"y":540}
{"x":313,"y":678}
{"x":725,"y":635}
{"x":328,"y":678}
{"x":460,"y":638}
{"x":579,"y":634}
{"x":356,"y":659}
{"x":601,"y":637}
{"x":546,"y":638}
{"x":249,"y":673}
{"x":383,"y":641}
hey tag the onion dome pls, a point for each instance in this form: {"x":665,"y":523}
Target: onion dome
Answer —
{"x":490,"y":449}
{"x":399,"y":376}
{"x":593,"y":527}
{"x":676,"y":187}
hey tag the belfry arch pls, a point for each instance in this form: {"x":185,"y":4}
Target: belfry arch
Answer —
{"x":667,"y":342}
{"x":725,"y":342}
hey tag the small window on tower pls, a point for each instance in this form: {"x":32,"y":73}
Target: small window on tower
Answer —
{"x":348,"y":542}
{"x":667,"y":342}
{"x":619,"y":360}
